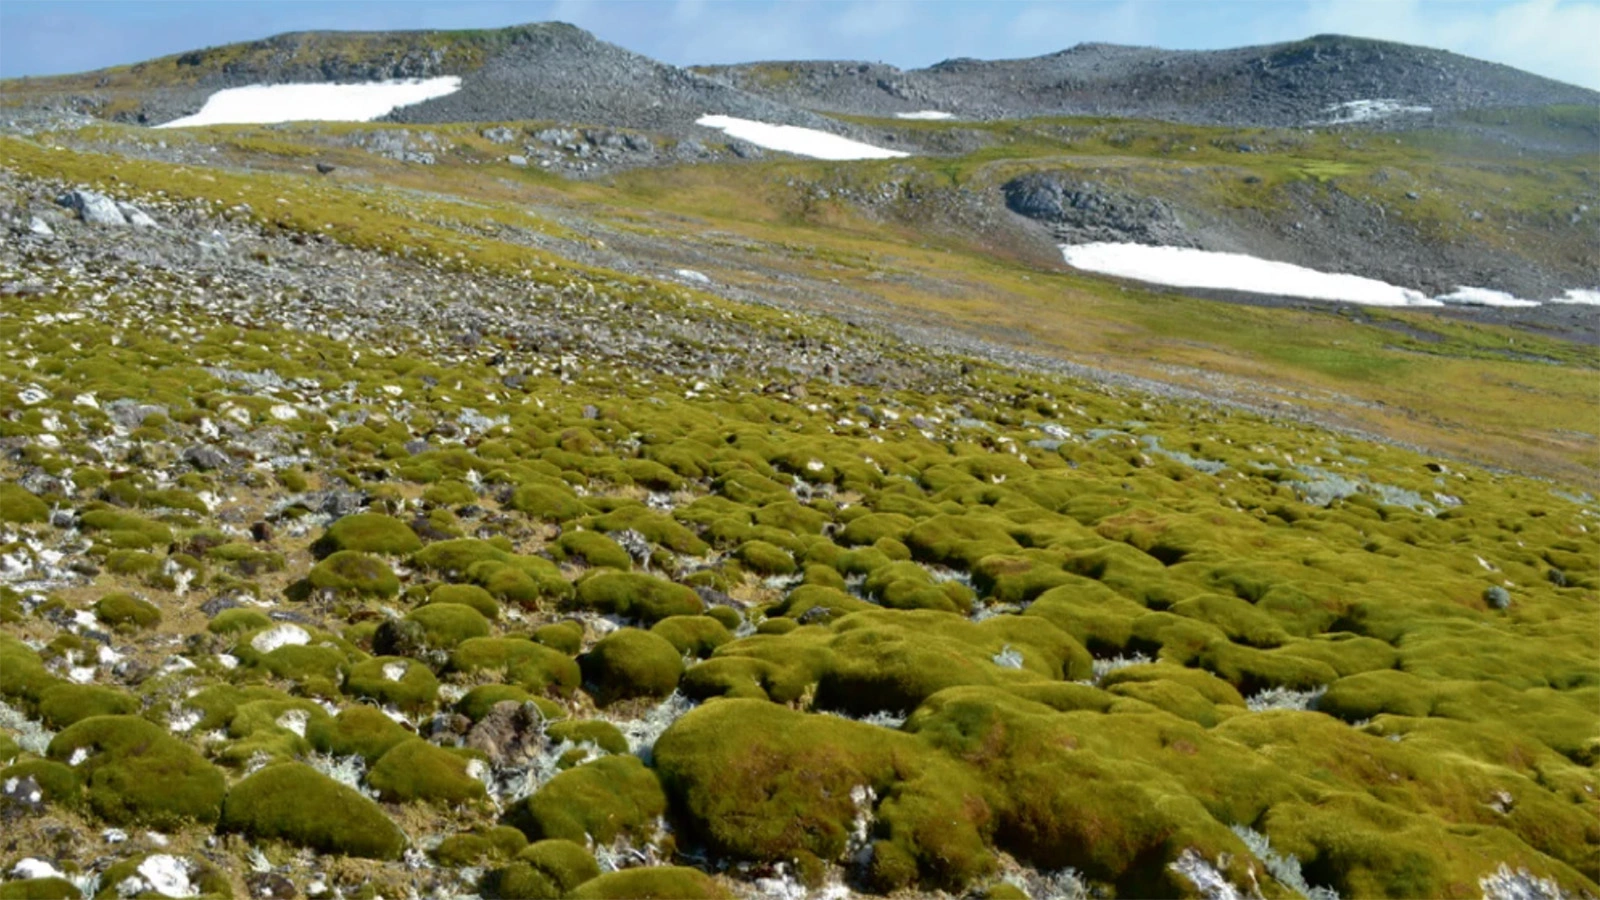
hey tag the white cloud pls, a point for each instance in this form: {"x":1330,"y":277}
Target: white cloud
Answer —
{"x":1548,"y":37}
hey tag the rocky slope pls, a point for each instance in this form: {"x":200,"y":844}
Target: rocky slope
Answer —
{"x":1293,"y":84}
{"x":548,"y":71}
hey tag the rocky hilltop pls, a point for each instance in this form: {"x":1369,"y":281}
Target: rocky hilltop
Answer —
{"x":1300,"y":83}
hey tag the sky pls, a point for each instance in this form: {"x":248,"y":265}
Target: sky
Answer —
{"x":1554,"y":38}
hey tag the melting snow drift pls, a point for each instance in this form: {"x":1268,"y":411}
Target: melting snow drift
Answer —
{"x":1187,"y":267}
{"x":929,"y":114}
{"x":262,"y":104}
{"x":1369,"y":111}
{"x":796,"y":140}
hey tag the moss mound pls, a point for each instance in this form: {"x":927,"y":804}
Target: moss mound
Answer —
{"x":631,"y":663}
{"x":594,"y":731}
{"x":611,"y":797}
{"x":295,"y":803}
{"x":448,"y":624}
{"x":126,"y":612}
{"x":136,"y":773}
{"x":360,"y":730}
{"x":654,"y":882}
{"x":418,"y":770}
{"x":534,"y":667}
{"x":65,"y":704}
{"x":368,"y":533}
{"x":637,"y":596}
{"x":353,"y":573}
{"x":403,"y":682}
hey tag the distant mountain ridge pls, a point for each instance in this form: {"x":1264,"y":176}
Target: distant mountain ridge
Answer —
{"x":1294,"y":83}
{"x":557,"y":71}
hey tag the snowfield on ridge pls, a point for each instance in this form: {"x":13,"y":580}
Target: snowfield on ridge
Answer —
{"x":265,"y":104}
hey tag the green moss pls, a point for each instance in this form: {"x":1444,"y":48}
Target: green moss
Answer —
{"x":448,"y":624}
{"x":353,"y":573}
{"x":730,"y":618}
{"x":417,"y":770}
{"x":548,"y":501}
{"x":869,"y":529}
{"x":765,"y":558}
{"x":467,"y":595}
{"x":480,"y":700}
{"x":651,"y":882}
{"x":247,"y":559}
{"x":126,"y":612}
{"x":40,"y":889}
{"x":601,"y":733}
{"x":532,"y":666}
{"x":125,"y":530}
{"x":637,"y":596}
{"x":566,"y":636}
{"x":360,"y":730}
{"x":696,"y":636}
{"x":413,"y":690}
{"x":65,"y":704}
{"x":449,"y":493}
{"x":295,"y":803}
{"x":611,"y":797}
{"x":759,"y":781}
{"x":594,"y":549}
{"x":131,"y":562}
{"x":520,"y":579}
{"x":19,"y":506}
{"x":631,"y":663}
{"x":136,"y":773}
{"x":369,"y":533}
{"x":58,"y":781}
{"x":239,"y":619}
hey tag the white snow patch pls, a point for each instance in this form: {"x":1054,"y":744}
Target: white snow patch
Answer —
{"x":1187,"y":267}
{"x":281,"y":636}
{"x":29,"y":867}
{"x":260,"y":104}
{"x":692,"y":275}
{"x":926,"y":115}
{"x":1369,"y":110}
{"x":1476,"y":296}
{"x":1207,"y":879}
{"x":799,"y":141}
{"x":1579,"y":295}
{"x":295,"y":720}
{"x":167,"y":875}
{"x":182,"y":721}
{"x":1504,"y":884}
{"x":394,"y":671}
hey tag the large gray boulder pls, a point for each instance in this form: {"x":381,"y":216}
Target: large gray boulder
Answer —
{"x":96,"y":209}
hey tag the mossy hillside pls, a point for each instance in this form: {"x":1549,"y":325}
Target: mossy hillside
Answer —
{"x":1361,"y":586}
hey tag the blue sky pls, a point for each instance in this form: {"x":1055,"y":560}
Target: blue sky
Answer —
{"x":1555,"y":38}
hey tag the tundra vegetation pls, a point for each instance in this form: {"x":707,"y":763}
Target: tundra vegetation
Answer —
{"x":463,"y":606}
